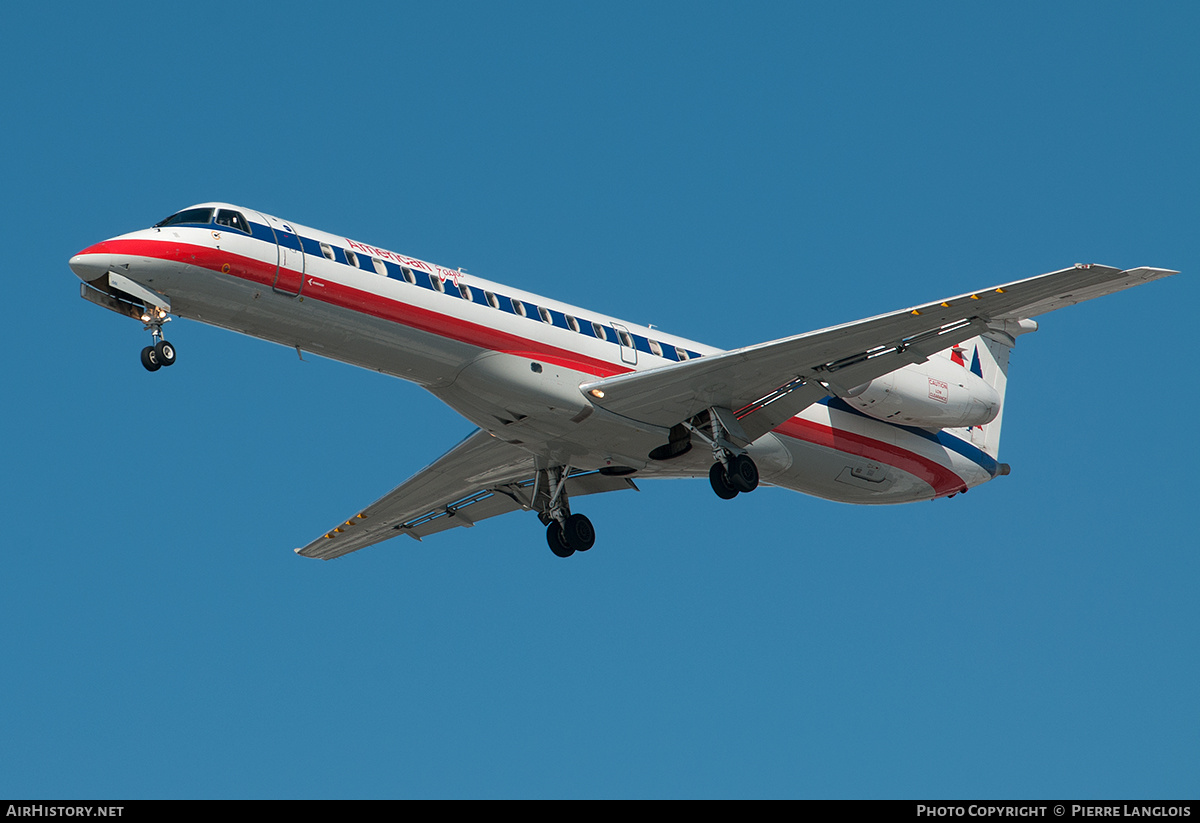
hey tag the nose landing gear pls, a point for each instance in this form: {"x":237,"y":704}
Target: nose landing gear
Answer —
{"x":161,"y":353}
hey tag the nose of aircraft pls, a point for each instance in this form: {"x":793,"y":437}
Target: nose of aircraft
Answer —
{"x":90,"y":264}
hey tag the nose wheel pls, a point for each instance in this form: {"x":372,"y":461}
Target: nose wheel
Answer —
{"x":161,"y":353}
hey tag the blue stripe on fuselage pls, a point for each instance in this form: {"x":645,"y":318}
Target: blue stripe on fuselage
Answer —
{"x":307,"y":245}
{"x":941,"y":436}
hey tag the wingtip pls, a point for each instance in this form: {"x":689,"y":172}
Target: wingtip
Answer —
{"x":1150,"y":272}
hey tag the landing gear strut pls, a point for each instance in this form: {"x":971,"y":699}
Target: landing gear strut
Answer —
{"x":566,"y":533}
{"x":161,"y":353}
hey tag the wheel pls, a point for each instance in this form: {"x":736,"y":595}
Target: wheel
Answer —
{"x":743,"y":474}
{"x":720,"y":482}
{"x":578,"y":533}
{"x":150,"y":359}
{"x":554,"y":537}
{"x":165,"y":352}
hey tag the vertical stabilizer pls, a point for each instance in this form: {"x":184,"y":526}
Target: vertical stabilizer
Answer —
{"x":989,"y":355}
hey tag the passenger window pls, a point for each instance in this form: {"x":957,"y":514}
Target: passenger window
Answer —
{"x":681,"y":354}
{"x":626,"y":340}
{"x":233,"y":220}
{"x":655,"y":348}
{"x":546,"y":316}
{"x":408,"y":275}
{"x":352,"y":258}
{"x":599,"y":331}
{"x":465,"y":291}
{"x":380,"y":268}
{"x":437,"y":283}
{"x":491,"y":300}
{"x":519,"y":308}
{"x":572,"y":323}
{"x":327,"y":250}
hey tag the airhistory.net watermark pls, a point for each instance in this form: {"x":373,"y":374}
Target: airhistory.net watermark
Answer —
{"x":41,"y":810}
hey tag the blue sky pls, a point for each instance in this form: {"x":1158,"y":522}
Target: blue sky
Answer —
{"x":729,"y":174}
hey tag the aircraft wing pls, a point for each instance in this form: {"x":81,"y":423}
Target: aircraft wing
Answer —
{"x":481,"y":477}
{"x":765,"y":384}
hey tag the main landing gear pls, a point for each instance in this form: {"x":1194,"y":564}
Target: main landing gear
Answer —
{"x":733,"y":470}
{"x":737,"y":473}
{"x":161,"y":353}
{"x":574,"y":534}
{"x":566,"y":533}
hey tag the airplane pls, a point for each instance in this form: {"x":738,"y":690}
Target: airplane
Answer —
{"x":900,"y":407}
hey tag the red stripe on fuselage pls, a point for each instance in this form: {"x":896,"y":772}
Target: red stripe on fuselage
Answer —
{"x":941,"y":479}
{"x":364,"y":302}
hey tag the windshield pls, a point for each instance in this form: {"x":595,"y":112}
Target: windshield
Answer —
{"x":233,"y":220}
{"x":187,"y":217}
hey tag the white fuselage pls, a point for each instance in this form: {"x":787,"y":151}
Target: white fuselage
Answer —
{"x":510,"y":361}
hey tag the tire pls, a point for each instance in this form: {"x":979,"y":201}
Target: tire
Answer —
{"x":554,"y":538}
{"x":165,"y":353}
{"x":720,"y":482}
{"x":578,"y":533}
{"x":150,"y":359}
{"x":743,"y":474}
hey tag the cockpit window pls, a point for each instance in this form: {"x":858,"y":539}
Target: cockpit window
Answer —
{"x":192,"y":217}
{"x":233,"y":220}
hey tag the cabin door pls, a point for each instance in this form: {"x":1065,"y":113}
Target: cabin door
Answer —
{"x":625,"y":341}
{"x":289,"y":267}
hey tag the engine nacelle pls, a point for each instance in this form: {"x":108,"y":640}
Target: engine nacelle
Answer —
{"x":935,"y":394}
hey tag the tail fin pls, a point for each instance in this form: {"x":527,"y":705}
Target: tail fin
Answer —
{"x":989,"y":359}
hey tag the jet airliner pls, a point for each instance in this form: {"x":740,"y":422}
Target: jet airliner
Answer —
{"x":568,"y":402}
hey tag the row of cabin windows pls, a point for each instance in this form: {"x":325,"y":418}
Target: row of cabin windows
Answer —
{"x":235,"y":220}
{"x":598,"y":330}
